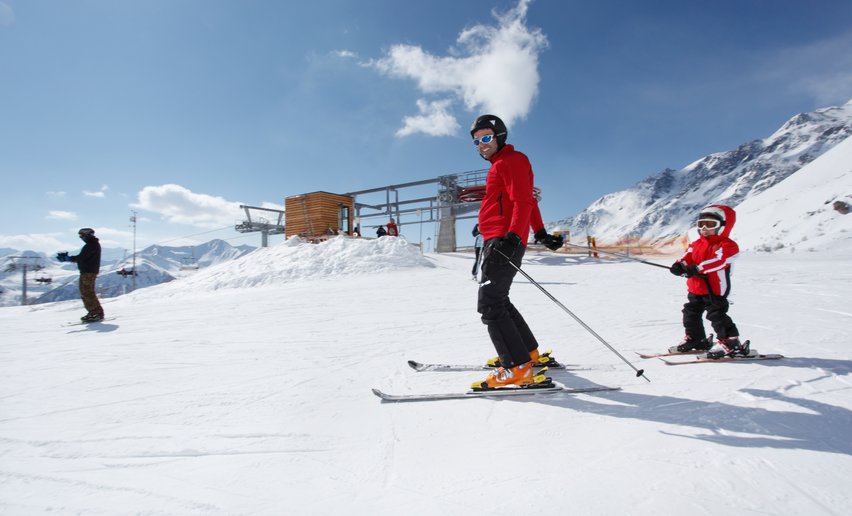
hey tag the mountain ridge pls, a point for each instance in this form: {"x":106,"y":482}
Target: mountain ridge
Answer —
{"x":658,"y":209}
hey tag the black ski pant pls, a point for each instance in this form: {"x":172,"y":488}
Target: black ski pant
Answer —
{"x":509,"y":333}
{"x":717,"y":313}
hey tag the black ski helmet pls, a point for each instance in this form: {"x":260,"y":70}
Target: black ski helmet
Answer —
{"x":86,"y":232}
{"x":495,"y":124}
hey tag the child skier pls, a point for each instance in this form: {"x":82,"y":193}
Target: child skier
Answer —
{"x":707,"y":265}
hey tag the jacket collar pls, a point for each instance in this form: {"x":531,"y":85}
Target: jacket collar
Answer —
{"x":499,"y":154}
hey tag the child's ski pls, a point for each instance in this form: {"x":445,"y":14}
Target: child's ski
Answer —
{"x":674,"y":354}
{"x":702,"y":359}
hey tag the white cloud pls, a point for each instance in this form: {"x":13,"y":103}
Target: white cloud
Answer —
{"x":7,"y":15}
{"x":434,"y":119}
{"x":50,"y":243}
{"x":494,"y":69}
{"x":61,"y":215}
{"x":179,"y":205}
{"x":110,"y":237}
{"x":346,"y":54}
{"x":100,"y":193}
{"x":272,"y":205}
{"x":41,"y":242}
{"x":55,"y":194}
{"x":821,"y":70}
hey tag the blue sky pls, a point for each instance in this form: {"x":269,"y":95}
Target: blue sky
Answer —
{"x":184,"y":109}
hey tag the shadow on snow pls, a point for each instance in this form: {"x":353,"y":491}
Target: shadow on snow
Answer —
{"x":820,"y":427}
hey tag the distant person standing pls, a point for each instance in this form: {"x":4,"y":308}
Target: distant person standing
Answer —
{"x":477,"y":250}
{"x":392,"y":229}
{"x":380,"y":231}
{"x":89,"y":264}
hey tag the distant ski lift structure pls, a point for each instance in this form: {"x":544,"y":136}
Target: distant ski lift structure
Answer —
{"x":258,"y":223}
{"x":125,"y":273}
{"x":188,"y":264}
{"x":317,"y":216}
{"x":459,"y":196}
{"x":24,"y":264}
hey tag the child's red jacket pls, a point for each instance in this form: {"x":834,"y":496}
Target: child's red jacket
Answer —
{"x":713,"y":256}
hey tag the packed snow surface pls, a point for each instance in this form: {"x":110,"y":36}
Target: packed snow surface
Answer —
{"x":245,"y":389}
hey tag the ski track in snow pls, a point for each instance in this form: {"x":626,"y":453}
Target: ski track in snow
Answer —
{"x":223,"y":397}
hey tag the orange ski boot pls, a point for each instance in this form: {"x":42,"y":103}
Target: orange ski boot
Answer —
{"x":518,"y":376}
{"x":535,"y":358}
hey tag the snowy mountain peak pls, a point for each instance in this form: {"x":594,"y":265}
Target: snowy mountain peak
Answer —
{"x":660,"y":208}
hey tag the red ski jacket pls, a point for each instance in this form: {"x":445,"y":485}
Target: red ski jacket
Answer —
{"x":509,"y":204}
{"x":713,"y":256}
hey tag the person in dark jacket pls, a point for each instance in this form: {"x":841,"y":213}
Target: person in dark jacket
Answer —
{"x":89,"y":264}
{"x":477,"y":250}
{"x":508,"y":211}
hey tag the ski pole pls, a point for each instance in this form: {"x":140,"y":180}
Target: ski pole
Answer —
{"x":619,"y":255}
{"x":639,"y":372}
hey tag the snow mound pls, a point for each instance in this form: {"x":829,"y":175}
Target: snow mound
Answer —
{"x":296,"y":260}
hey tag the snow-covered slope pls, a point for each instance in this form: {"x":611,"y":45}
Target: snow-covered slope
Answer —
{"x":295,"y":260}
{"x":799,"y":213}
{"x":662,"y":207}
{"x":226,"y":398}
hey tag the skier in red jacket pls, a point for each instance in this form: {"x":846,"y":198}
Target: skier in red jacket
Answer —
{"x":707,"y":265}
{"x":507,"y":212}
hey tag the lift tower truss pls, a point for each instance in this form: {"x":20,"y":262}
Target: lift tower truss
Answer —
{"x":262,"y":224}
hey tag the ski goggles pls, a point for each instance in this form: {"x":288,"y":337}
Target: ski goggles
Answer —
{"x":709,"y":224}
{"x":483,"y":139}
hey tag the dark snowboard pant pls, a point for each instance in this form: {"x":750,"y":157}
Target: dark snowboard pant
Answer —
{"x":87,"y":293}
{"x":509,"y":333}
{"x":717,"y":314}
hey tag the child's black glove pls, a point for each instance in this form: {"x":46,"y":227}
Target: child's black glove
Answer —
{"x":677,"y":269}
{"x":687,"y":271}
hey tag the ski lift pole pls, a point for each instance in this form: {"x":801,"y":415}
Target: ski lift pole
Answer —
{"x":619,"y":255}
{"x":639,"y":372}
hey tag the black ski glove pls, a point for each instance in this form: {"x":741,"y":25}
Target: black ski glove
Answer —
{"x":502,"y":250}
{"x":62,"y":257}
{"x":690,"y":271}
{"x":549,"y":241}
{"x":686,"y":271}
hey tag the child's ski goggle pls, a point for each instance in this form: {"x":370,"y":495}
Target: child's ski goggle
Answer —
{"x":709,"y":224}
